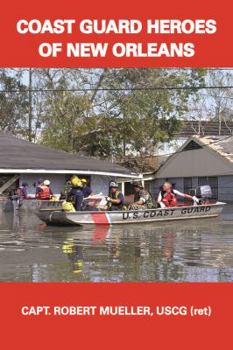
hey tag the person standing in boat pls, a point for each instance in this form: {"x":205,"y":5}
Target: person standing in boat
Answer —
{"x":76,"y":194}
{"x":167,"y":196}
{"x":67,"y":189}
{"x":38,"y":185}
{"x":142,"y":198}
{"x":44,"y":191}
{"x":22,"y":191}
{"x":116,"y":198}
{"x":87,"y":191}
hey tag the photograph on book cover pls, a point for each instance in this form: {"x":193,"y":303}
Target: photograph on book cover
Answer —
{"x":116,"y":175}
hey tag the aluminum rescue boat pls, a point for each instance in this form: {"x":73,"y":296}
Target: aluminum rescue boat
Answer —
{"x":60,"y":217}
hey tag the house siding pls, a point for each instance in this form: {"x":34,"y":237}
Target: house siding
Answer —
{"x":225,"y":188}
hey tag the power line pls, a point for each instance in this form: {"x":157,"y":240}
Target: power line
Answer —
{"x":150,"y":88}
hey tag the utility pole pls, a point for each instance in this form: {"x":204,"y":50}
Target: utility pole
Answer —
{"x":219,"y":118}
{"x":30,"y":106}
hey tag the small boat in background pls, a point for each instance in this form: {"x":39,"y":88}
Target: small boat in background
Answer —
{"x":60,"y":217}
{"x":31,"y":205}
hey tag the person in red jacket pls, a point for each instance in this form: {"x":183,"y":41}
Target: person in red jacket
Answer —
{"x":168,"y":196}
{"x":44,"y":191}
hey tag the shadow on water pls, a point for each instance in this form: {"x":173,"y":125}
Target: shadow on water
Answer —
{"x":198,"y":250}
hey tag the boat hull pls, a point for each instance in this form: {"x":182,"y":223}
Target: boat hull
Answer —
{"x":59,"y":217}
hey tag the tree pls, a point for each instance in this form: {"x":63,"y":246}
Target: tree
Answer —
{"x":148,"y":114}
{"x":13,"y":104}
{"x":119,"y":112}
{"x":221,"y":99}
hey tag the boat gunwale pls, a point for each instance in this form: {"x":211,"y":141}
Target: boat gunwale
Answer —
{"x":98,"y":212}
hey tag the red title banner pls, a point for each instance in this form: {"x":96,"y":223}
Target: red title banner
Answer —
{"x":120,"y":315}
{"x":125,"y":34}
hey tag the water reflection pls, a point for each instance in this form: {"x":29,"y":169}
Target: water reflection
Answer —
{"x":188,"y":251}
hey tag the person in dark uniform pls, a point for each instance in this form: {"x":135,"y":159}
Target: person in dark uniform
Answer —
{"x":87,"y":191}
{"x":76,"y":194}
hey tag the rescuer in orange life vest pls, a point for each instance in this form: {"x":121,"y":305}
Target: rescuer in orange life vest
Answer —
{"x":44,"y":191}
{"x":167,"y":196}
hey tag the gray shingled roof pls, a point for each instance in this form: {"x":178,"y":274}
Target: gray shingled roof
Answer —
{"x":220,"y":144}
{"x":205,"y":128}
{"x":20,"y":154}
{"x":214,"y":157}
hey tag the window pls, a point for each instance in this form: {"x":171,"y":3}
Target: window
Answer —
{"x":188,"y":184}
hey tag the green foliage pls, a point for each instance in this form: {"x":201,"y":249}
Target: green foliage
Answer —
{"x":13,"y":105}
{"x":124,"y":119}
{"x":121,"y":114}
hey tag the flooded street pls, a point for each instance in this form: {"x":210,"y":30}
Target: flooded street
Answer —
{"x":189,"y":251}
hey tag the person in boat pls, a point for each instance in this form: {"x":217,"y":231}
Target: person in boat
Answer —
{"x":22,"y":191}
{"x":38,"y":185}
{"x":142,"y":198}
{"x":116,"y":198}
{"x":44,"y":191}
{"x":87,"y":191}
{"x":76,"y":196}
{"x":167,"y":196}
{"x":67,"y":189}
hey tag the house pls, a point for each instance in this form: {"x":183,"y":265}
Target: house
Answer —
{"x":199,"y":161}
{"x":22,"y":161}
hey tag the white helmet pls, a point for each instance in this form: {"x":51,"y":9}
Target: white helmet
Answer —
{"x":46,"y":182}
{"x":113,"y":184}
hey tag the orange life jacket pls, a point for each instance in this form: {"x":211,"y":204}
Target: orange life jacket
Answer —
{"x":44,"y":194}
{"x":169,"y":199}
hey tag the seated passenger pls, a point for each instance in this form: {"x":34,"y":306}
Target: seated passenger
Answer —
{"x":167,"y":196}
{"x":44,"y":192}
{"x":116,"y":198}
{"x":142,"y":198}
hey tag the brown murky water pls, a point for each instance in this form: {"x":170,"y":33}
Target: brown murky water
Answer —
{"x":200,"y":251}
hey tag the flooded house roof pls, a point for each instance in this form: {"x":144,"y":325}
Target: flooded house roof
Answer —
{"x":200,"y":156}
{"x":17,"y":155}
{"x":221,"y":144}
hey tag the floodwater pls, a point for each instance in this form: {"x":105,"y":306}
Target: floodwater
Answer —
{"x":187,"y":251}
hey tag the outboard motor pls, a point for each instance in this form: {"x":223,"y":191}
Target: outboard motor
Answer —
{"x":204,"y":193}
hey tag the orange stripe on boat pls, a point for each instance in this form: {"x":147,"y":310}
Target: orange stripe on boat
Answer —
{"x":100,"y":218}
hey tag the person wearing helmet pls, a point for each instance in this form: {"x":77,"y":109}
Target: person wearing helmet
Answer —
{"x":44,"y":191}
{"x":76,"y":195}
{"x":86,"y":189}
{"x":142,"y":198}
{"x":116,"y":198}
